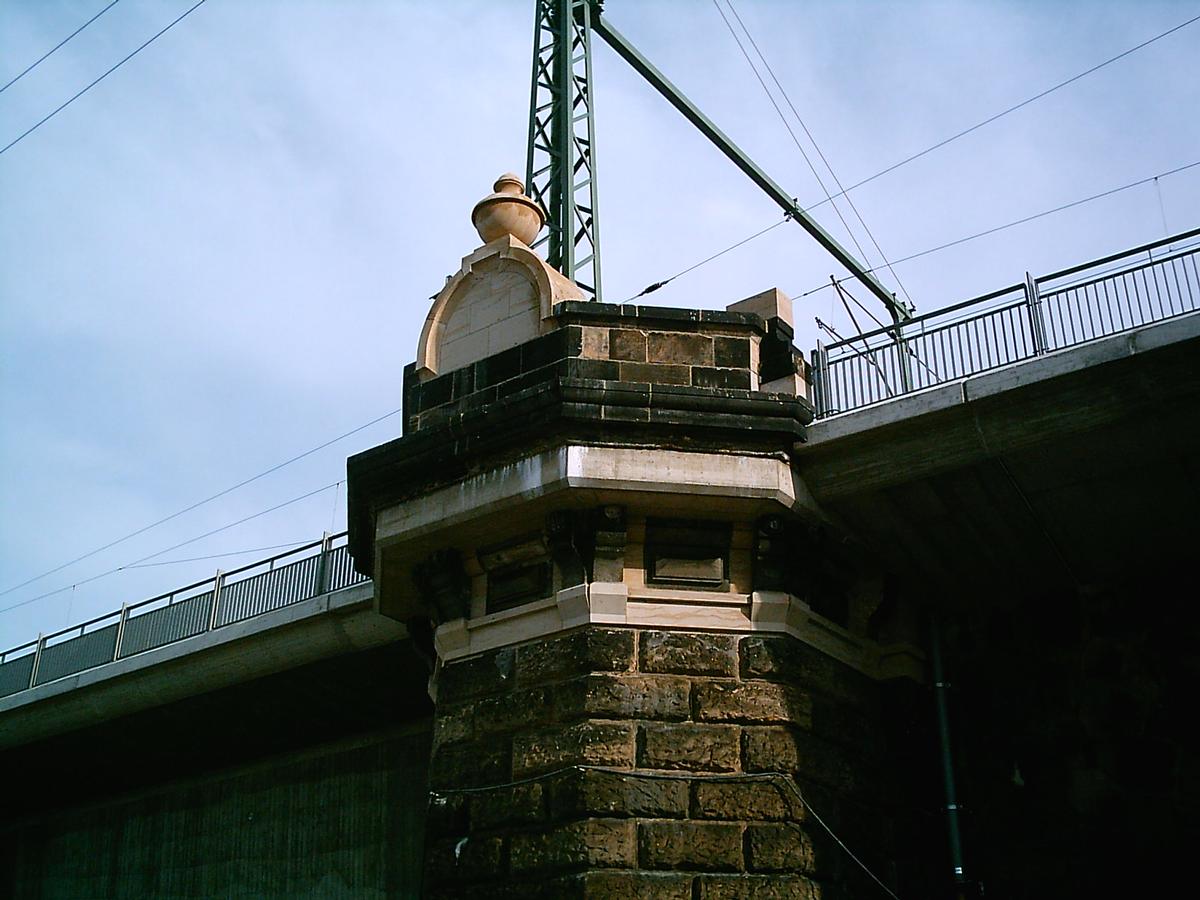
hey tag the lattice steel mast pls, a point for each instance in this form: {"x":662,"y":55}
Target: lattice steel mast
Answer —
{"x":560,"y":170}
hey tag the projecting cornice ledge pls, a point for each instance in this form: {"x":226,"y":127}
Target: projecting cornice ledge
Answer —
{"x":550,"y":413}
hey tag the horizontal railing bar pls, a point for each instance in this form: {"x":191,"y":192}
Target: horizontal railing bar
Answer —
{"x":209,"y":580}
{"x":917,"y":333}
{"x":913,"y":322}
{"x":1042,"y":315}
{"x":1114,"y":273}
{"x":32,"y":643}
{"x":169,"y":594}
{"x":80,"y":625}
{"x":1182,"y":236}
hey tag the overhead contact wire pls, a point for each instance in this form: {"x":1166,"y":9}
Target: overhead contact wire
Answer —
{"x":199,"y":503}
{"x":837,"y":181}
{"x":795,"y":140}
{"x":1031,"y":218}
{"x":37,"y":62}
{"x":990,"y":119}
{"x":112,"y":69}
{"x":137,"y":562}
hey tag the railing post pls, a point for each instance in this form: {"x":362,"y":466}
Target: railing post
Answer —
{"x":820,"y":360}
{"x":218,"y":580}
{"x":37,"y":659}
{"x":323,"y":564}
{"x":906,"y":382}
{"x":121,"y":631}
{"x":1037,"y":325}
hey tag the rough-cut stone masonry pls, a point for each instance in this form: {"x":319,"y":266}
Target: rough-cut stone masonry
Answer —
{"x":682,"y":707}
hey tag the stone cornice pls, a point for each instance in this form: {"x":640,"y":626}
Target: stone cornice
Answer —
{"x":563,"y":408}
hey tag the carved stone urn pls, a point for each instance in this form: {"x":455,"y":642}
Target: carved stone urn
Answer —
{"x":508,"y":211}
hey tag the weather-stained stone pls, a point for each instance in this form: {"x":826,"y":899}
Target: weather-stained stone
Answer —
{"x":779,"y":848}
{"x":688,"y":653}
{"x":489,"y":673}
{"x":757,"y":887}
{"x":689,"y":747}
{"x":742,"y":800}
{"x":524,"y":708}
{"x":751,"y":702}
{"x":627,"y":344}
{"x":706,"y":846}
{"x":622,"y":696}
{"x":505,"y":806}
{"x":579,"y":653}
{"x":470,"y":764}
{"x":585,"y":743}
{"x":652,"y":373}
{"x":590,"y":842}
{"x":679,"y":348}
{"x":731,"y":353}
{"x":591,"y":792}
{"x":617,"y":885}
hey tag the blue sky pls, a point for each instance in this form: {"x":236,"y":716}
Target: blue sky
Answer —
{"x":221,"y":256}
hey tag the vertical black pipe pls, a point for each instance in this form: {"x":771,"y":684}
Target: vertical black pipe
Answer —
{"x":941,"y":690}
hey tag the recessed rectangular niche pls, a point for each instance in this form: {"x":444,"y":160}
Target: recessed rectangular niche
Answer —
{"x":517,"y":572}
{"x":690,"y":554}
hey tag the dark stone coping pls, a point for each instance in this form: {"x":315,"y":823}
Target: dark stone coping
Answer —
{"x":551,"y":412}
{"x":614,"y":315}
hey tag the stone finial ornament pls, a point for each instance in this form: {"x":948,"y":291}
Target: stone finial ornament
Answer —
{"x":504,"y":294}
{"x":508,"y":211}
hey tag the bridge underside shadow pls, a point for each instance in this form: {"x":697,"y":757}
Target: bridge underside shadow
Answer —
{"x":1048,"y":512}
{"x":306,"y":782}
{"x":1074,"y":470}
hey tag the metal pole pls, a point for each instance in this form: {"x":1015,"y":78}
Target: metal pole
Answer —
{"x":906,"y":382}
{"x":121,"y":630}
{"x":1037,"y":325}
{"x":819,"y":361}
{"x":786,"y":202}
{"x":941,"y":688}
{"x":218,"y":579}
{"x":37,"y":659}
{"x":323,"y":563}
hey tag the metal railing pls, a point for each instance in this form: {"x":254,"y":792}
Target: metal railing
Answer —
{"x":243,"y":593}
{"x":1039,"y":315}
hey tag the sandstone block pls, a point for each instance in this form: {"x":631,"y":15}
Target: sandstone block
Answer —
{"x":591,"y":842}
{"x":690,"y":747}
{"x":743,"y":800}
{"x":581,"y":652}
{"x":654,"y":373}
{"x":595,"y":343}
{"x":752,"y":702}
{"x":731,"y":352}
{"x":757,"y":887}
{"x":520,"y":804}
{"x":611,"y":794}
{"x":775,"y":749}
{"x":624,"y":697}
{"x":490,"y":673}
{"x":690,"y":845}
{"x":779,"y":848}
{"x":679,"y":348}
{"x":786,"y":659}
{"x":617,"y":885}
{"x":590,"y":743}
{"x":688,"y":654}
{"x":517,"y":710}
{"x":627,"y":344}
{"x":470,"y":764}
